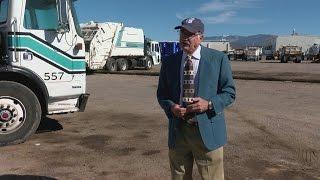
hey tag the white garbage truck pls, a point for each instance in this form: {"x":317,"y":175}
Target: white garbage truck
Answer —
{"x":112,"y":46}
{"x":42,"y":65}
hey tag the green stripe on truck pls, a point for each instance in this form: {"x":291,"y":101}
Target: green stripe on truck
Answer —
{"x":47,"y":52}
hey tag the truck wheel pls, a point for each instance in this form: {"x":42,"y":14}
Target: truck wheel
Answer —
{"x":111,"y":65}
{"x":298,"y":60}
{"x":286,"y":59}
{"x":20,"y":113}
{"x":148,"y":63}
{"x":122,"y":64}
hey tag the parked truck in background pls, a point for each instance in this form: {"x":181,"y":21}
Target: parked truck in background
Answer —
{"x":168,"y":48}
{"x":112,"y":46}
{"x":239,"y":54}
{"x":291,"y":53}
{"x":253,"y":53}
{"x":230,"y":54}
{"x":313,"y":53}
{"x":268,"y":53}
{"x":42,"y":65}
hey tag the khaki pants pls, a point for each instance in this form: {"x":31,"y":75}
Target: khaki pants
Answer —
{"x":189,"y":147}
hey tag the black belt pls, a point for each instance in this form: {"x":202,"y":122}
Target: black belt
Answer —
{"x":190,"y":123}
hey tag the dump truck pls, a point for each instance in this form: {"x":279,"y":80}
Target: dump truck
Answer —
{"x":253,"y":53}
{"x":42,"y":65}
{"x":112,"y":46}
{"x":291,"y":53}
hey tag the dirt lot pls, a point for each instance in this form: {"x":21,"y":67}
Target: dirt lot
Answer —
{"x":269,"y":70}
{"x":273,"y":129}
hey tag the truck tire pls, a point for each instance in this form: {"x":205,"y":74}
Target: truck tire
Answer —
{"x":111,"y":65}
{"x":20,"y":113}
{"x":284,"y":59}
{"x":122,"y":64}
{"x":148,"y":64}
{"x":298,"y":59}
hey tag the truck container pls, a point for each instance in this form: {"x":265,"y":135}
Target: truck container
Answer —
{"x":169,"y":47}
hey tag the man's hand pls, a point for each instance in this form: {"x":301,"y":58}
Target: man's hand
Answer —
{"x":178,"y":111}
{"x":199,"y":105}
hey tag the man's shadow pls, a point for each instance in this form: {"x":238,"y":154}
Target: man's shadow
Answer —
{"x":48,"y":125}
{"x":24,"y":177}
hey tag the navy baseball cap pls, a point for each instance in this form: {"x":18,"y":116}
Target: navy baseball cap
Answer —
{"x":193,"y":25}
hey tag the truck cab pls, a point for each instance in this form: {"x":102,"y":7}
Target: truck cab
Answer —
{"x":42,"y":66}
{"x":253,"y":53}
{"x":155,"y":53}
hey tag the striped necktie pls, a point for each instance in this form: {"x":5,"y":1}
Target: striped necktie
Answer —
{"x":188,"y":82}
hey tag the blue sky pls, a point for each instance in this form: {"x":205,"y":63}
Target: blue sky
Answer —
{"x":227,"y":17}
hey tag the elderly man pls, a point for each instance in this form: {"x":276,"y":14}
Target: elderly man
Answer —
{"x":195,"y":85}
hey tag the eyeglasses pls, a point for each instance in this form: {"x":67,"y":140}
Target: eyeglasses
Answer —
{"x":188,"y":35}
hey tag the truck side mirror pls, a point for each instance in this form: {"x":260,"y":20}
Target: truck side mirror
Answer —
{"x":63,"y":23}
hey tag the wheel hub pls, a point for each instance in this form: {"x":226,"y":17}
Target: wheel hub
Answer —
{"x":5,"y":115}
{"x":12,"y":114}
{"x":124,"y":66}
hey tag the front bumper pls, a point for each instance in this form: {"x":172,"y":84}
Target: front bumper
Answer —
{"x":82,"y":102}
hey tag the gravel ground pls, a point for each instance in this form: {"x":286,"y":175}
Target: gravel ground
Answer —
{"x":261,"y":70}
{"x":273,"y":131}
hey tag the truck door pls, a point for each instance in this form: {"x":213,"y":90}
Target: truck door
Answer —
{"x":155,"y":51}
{"x":54,"y":56}
{"x":158,"y":52}
{"x":41,"y":45}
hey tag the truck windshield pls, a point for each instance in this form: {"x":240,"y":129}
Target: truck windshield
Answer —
{"x":73,"y":3}
{"x":3,"y":11}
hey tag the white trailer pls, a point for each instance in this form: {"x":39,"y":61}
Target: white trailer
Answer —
{"x":112,"y":46}
{"x":275,"y":44}
{"x":222,"y":45}
{"x":42,"y":65}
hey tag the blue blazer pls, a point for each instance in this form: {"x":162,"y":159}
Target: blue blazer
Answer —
{"x":215,"y":84}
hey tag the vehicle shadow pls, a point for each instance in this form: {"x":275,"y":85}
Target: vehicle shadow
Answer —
{"x":90,"y":72}
{"x":270,"y":61}
{"x":48,"y":125}
{"x":24,"y":177}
